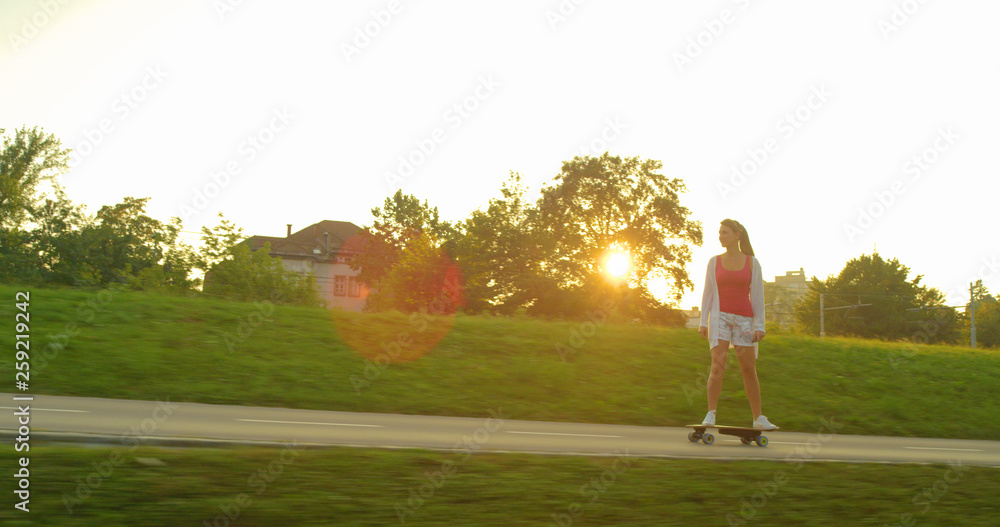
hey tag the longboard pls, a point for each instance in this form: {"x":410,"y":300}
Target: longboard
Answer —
{"x":746,"y":435}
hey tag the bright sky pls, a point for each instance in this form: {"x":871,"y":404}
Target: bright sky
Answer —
{"x":850,"y":124}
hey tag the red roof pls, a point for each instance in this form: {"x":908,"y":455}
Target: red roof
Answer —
{"x":329,"y":238}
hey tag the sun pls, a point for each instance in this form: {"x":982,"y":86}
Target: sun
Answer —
{"x":617,"y":264}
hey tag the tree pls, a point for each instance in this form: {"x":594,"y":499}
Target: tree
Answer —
{"x":174,"y":272}
{"x":126,"y":241}
{"x":234,"y":271}
{"x":497,"y":253}
{"x":547,"y":258}
{"x":26,"y":160}
{"x":400,"y":221}
{"x":884,"y":285}
{"x":250,"y":276}
{"x":59,"y":243}
{"x":17,"y":263}
{"x":120,"y":245}
{"x":602,"y":204}
{"x":424,"y":279}
{"x":988,"y":322}
{"x":218,"y":243}
{"x":987,"y":317}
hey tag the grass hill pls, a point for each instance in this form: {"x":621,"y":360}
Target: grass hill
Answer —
{"x":121,"y":344}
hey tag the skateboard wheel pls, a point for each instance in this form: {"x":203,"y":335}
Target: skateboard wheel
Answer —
{"x":692,"y":437}
{"x":762,"y":441}
{"x":708,"y":439}
{"x":746,"y":440}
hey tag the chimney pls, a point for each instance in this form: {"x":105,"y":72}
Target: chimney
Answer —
{"x":289,"y":234}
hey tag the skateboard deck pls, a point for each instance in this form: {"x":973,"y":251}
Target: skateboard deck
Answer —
{"x":747,"y":435}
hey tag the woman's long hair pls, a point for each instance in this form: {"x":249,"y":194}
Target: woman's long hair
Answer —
{"x":740,"y":231}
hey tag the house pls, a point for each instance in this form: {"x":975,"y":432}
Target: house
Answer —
{"x":693,"y":317}
{"x":782,"y":294}
{"x":325,"y":248}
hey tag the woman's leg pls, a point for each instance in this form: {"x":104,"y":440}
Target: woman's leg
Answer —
{"x":719,"y":355}
{"x":748,"y":367}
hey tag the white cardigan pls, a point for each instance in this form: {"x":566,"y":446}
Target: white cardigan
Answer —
{"x":710,"y":302}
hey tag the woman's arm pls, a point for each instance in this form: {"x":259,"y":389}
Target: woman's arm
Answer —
{"x":708,"y":294}
{"x":757,"y":296}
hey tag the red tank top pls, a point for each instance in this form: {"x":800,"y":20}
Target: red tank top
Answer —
{"x":734,"y":288}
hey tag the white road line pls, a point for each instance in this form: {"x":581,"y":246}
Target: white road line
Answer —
{"x":307,"y":423}
{"x":771,"y":442}
{"x":556,"y":434}
{"x":46,"y":410}
{"x":948,"y":449}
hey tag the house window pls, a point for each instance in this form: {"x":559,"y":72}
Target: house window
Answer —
{"x":353,"y":287}
{"x":339,"y":285}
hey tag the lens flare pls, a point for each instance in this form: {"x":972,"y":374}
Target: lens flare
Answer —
{"x":617,"y":264}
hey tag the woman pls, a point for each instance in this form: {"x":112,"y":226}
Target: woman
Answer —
{"x":732,"y":311}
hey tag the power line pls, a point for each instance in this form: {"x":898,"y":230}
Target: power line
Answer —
{"x":865,"y":295}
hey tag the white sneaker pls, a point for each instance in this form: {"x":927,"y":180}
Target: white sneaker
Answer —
{"x":709,"y":419}
{"x":761,"y":423}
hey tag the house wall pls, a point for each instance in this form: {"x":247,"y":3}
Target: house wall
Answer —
{"x":789,"y":289}
{"x":326,"y":274}
{"x":794,"y":283}
{"x":352,"y":299}
{"x":299,"y":266}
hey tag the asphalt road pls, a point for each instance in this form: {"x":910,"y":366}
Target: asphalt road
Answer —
{"x":129,"y":423}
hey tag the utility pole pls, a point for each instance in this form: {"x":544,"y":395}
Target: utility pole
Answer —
{"x":822,"y":333}
{"x":972,"y":315}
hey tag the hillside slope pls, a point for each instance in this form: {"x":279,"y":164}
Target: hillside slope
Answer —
{"x":142,"y":346}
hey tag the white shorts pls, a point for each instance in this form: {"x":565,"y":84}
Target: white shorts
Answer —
{"x":735,"y":329}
